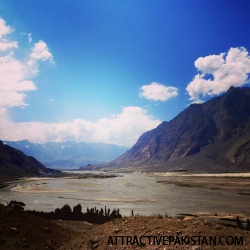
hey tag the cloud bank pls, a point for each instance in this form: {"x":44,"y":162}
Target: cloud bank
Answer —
{"x":217,"y":73}
{"x":17,"y":80}
{"x":122,"y":129}
{"x":158,"y":92}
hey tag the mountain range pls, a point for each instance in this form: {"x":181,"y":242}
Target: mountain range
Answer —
{"x":210,"y":137}
{"x":68,"y":155}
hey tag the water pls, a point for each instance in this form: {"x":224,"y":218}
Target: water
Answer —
{"x":139,"y":192}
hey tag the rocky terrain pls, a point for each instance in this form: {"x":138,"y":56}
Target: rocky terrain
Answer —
{"x":135,"y":227}
{"x":20,"y":230}
{"x":213,"y":136}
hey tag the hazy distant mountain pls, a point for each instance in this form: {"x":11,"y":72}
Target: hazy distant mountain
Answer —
{"x":213,"y":136}
{"x":15,"y":164}
{"x":69,"y":154}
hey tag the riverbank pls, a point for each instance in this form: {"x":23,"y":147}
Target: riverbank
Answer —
{"x":234,"y":182}
{"x":58,"y":175}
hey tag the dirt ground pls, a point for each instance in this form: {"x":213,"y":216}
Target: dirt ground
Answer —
{"x":20,"y":230}
{"x":133,"y":232}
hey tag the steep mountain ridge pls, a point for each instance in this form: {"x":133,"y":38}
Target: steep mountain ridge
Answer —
{"x":15,"y":164}
{"x":213,"y":136}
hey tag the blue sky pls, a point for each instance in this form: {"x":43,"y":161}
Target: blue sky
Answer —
{"x":107,"y":71}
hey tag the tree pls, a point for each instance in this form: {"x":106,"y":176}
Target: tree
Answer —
{"x":77,"y":209}
{"x":65,"y":212}
{"x":77,"y":212}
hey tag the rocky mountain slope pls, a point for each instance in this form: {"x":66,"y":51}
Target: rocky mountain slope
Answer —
{"x":15,"y":164}
{"x":213,"y":136}
{"x":69,"y":154}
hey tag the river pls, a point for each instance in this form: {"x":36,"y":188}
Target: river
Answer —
{"x":144,"y":193}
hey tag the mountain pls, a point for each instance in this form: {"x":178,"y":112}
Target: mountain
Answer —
{"x":213,"y":136}
{"x":69,"y":154}
{"x":15,"y":164}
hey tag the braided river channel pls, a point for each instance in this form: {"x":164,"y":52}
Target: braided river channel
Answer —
{"x":144,"y":193}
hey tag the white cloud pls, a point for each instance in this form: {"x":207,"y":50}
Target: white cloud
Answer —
{"x":13,"y":81}
{"x":122,"y":129}
{"x":4,"y":29}
{"x":29,"y":37}
{"x":16,"y":74}
{"x":5,"y":43}
{"x":158,"y":92}
{"x":216,"y":73}
{"x":41,"y":52}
